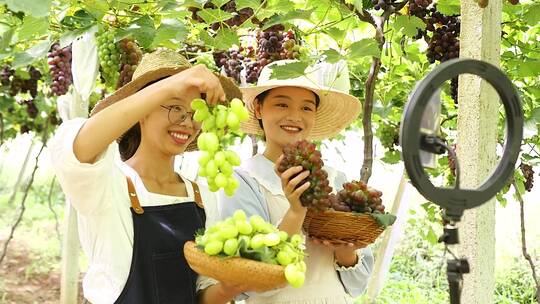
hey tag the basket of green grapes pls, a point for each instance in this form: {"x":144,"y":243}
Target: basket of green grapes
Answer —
{"x":239,"y":248}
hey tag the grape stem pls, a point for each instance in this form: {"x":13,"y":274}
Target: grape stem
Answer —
{"x":1,"y":129}
{"x":448,"y":119}
{"x":526,"y":255}
{"x":26,"y":191}
{"x":378,"y":23}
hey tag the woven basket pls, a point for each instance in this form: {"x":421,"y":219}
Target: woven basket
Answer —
{"x":258,"y":276}
{"x":342,"y":227}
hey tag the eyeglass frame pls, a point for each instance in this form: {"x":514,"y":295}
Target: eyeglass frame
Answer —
{"x":186,"y":115}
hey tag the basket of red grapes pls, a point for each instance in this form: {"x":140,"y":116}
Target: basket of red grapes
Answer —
{"x":355,"y":214}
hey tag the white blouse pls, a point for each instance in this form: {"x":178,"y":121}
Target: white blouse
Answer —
{"x":98,"y":192}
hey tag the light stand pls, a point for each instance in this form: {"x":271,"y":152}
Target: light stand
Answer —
{"x":413,"y":140}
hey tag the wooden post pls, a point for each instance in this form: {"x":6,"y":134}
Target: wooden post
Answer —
{"x":85,"y":70}
{"x":69,"y":281}
{"x":480,"y":38}
{"x":384,"y":254}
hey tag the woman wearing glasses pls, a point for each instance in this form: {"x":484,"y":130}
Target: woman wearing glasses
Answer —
{"x":117,"y":169}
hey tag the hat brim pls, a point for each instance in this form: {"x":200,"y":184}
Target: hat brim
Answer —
{"x":335,"y":112}
{"x":230,"y":89}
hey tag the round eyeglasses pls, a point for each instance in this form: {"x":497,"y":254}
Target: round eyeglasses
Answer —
{"x":178,"y":114}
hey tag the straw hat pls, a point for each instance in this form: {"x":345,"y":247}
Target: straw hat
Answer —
{"x":156,"y":65}
{"x":337,"y":109}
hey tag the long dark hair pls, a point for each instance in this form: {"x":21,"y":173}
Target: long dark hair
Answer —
{"x":129,"y":142}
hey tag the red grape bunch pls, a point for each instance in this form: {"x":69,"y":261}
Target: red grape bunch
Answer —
{"x":291,"y":50}
{"x":383,"y":4}
{"x":304,"y":153}
{"x":109,"y":56}
{"x":237,"y":19}
{"x":5,"y":75}
{"x":31,"y":108}
{"x":16,"y":84}
{"x":452,"y":160}
{"x":232,"y":63}
{"x":130,"y":56}
{"x":59,"y":60}
{"x":528,"y":174}
{"x":356,"y":196}
{"x":419,"y":8}
{"x":270,"y":48}
{"x":441,"y":34}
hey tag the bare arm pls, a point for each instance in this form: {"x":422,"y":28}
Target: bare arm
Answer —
{"x":107,"y":125}
{"x":219,"y":293}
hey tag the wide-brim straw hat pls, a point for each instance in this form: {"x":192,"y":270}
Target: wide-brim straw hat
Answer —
{"x":156,"y":65}
{"x":337,"y":109}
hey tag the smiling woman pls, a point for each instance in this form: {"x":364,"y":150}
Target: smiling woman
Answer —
{"x":285,"y":111}
{"x":134,"y":210}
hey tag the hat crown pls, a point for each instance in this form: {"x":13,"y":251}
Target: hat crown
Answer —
{"x":161,"y":58}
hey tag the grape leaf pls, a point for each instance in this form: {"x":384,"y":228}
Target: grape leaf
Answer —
{"x":32,"y":27}
{"x":449,"y":7}
{"x":214,"y":15}
{"x":336,"y":33}
{"x":519,"y":181}
{"x":6,"y":33}
{"x":29,"y":56}
{"x":288,"y":17}
{"x":364,"y":47}
{"x":391,"y":157}
{"x":532,"y":16}
{"x":273,"y":7}
{"x":385,"y":219}
{"x":332,"y":56}
{"x":431,"y":236}
{"x":288,"y":70}
{"x":219,"y":3}
{"x":80,"y":18}
{"x":143,"y":30}
{"x":96,"y":8}
{"x":225,"y":38}
{"x":169,"y":29}
{"x":528,"y":68}
{"x":34,"y":8}
{"x":254,"y":4}
{"x":409,"y":24}
{"x":263,"y":254}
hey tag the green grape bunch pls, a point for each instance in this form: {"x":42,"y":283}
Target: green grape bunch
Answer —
{"x":388,"y":134}
{"x":254,"y":238}
{"x":207,"y":60}
{"x":109,"y":56}
{"x":220,"y":127}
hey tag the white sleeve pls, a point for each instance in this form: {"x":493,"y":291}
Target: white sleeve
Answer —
{"x":84,"y":184}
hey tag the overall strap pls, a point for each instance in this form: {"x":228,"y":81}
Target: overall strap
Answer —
{"x":133,"y":197}
{"x":137,"y":206}
{"x":197,"y":194}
